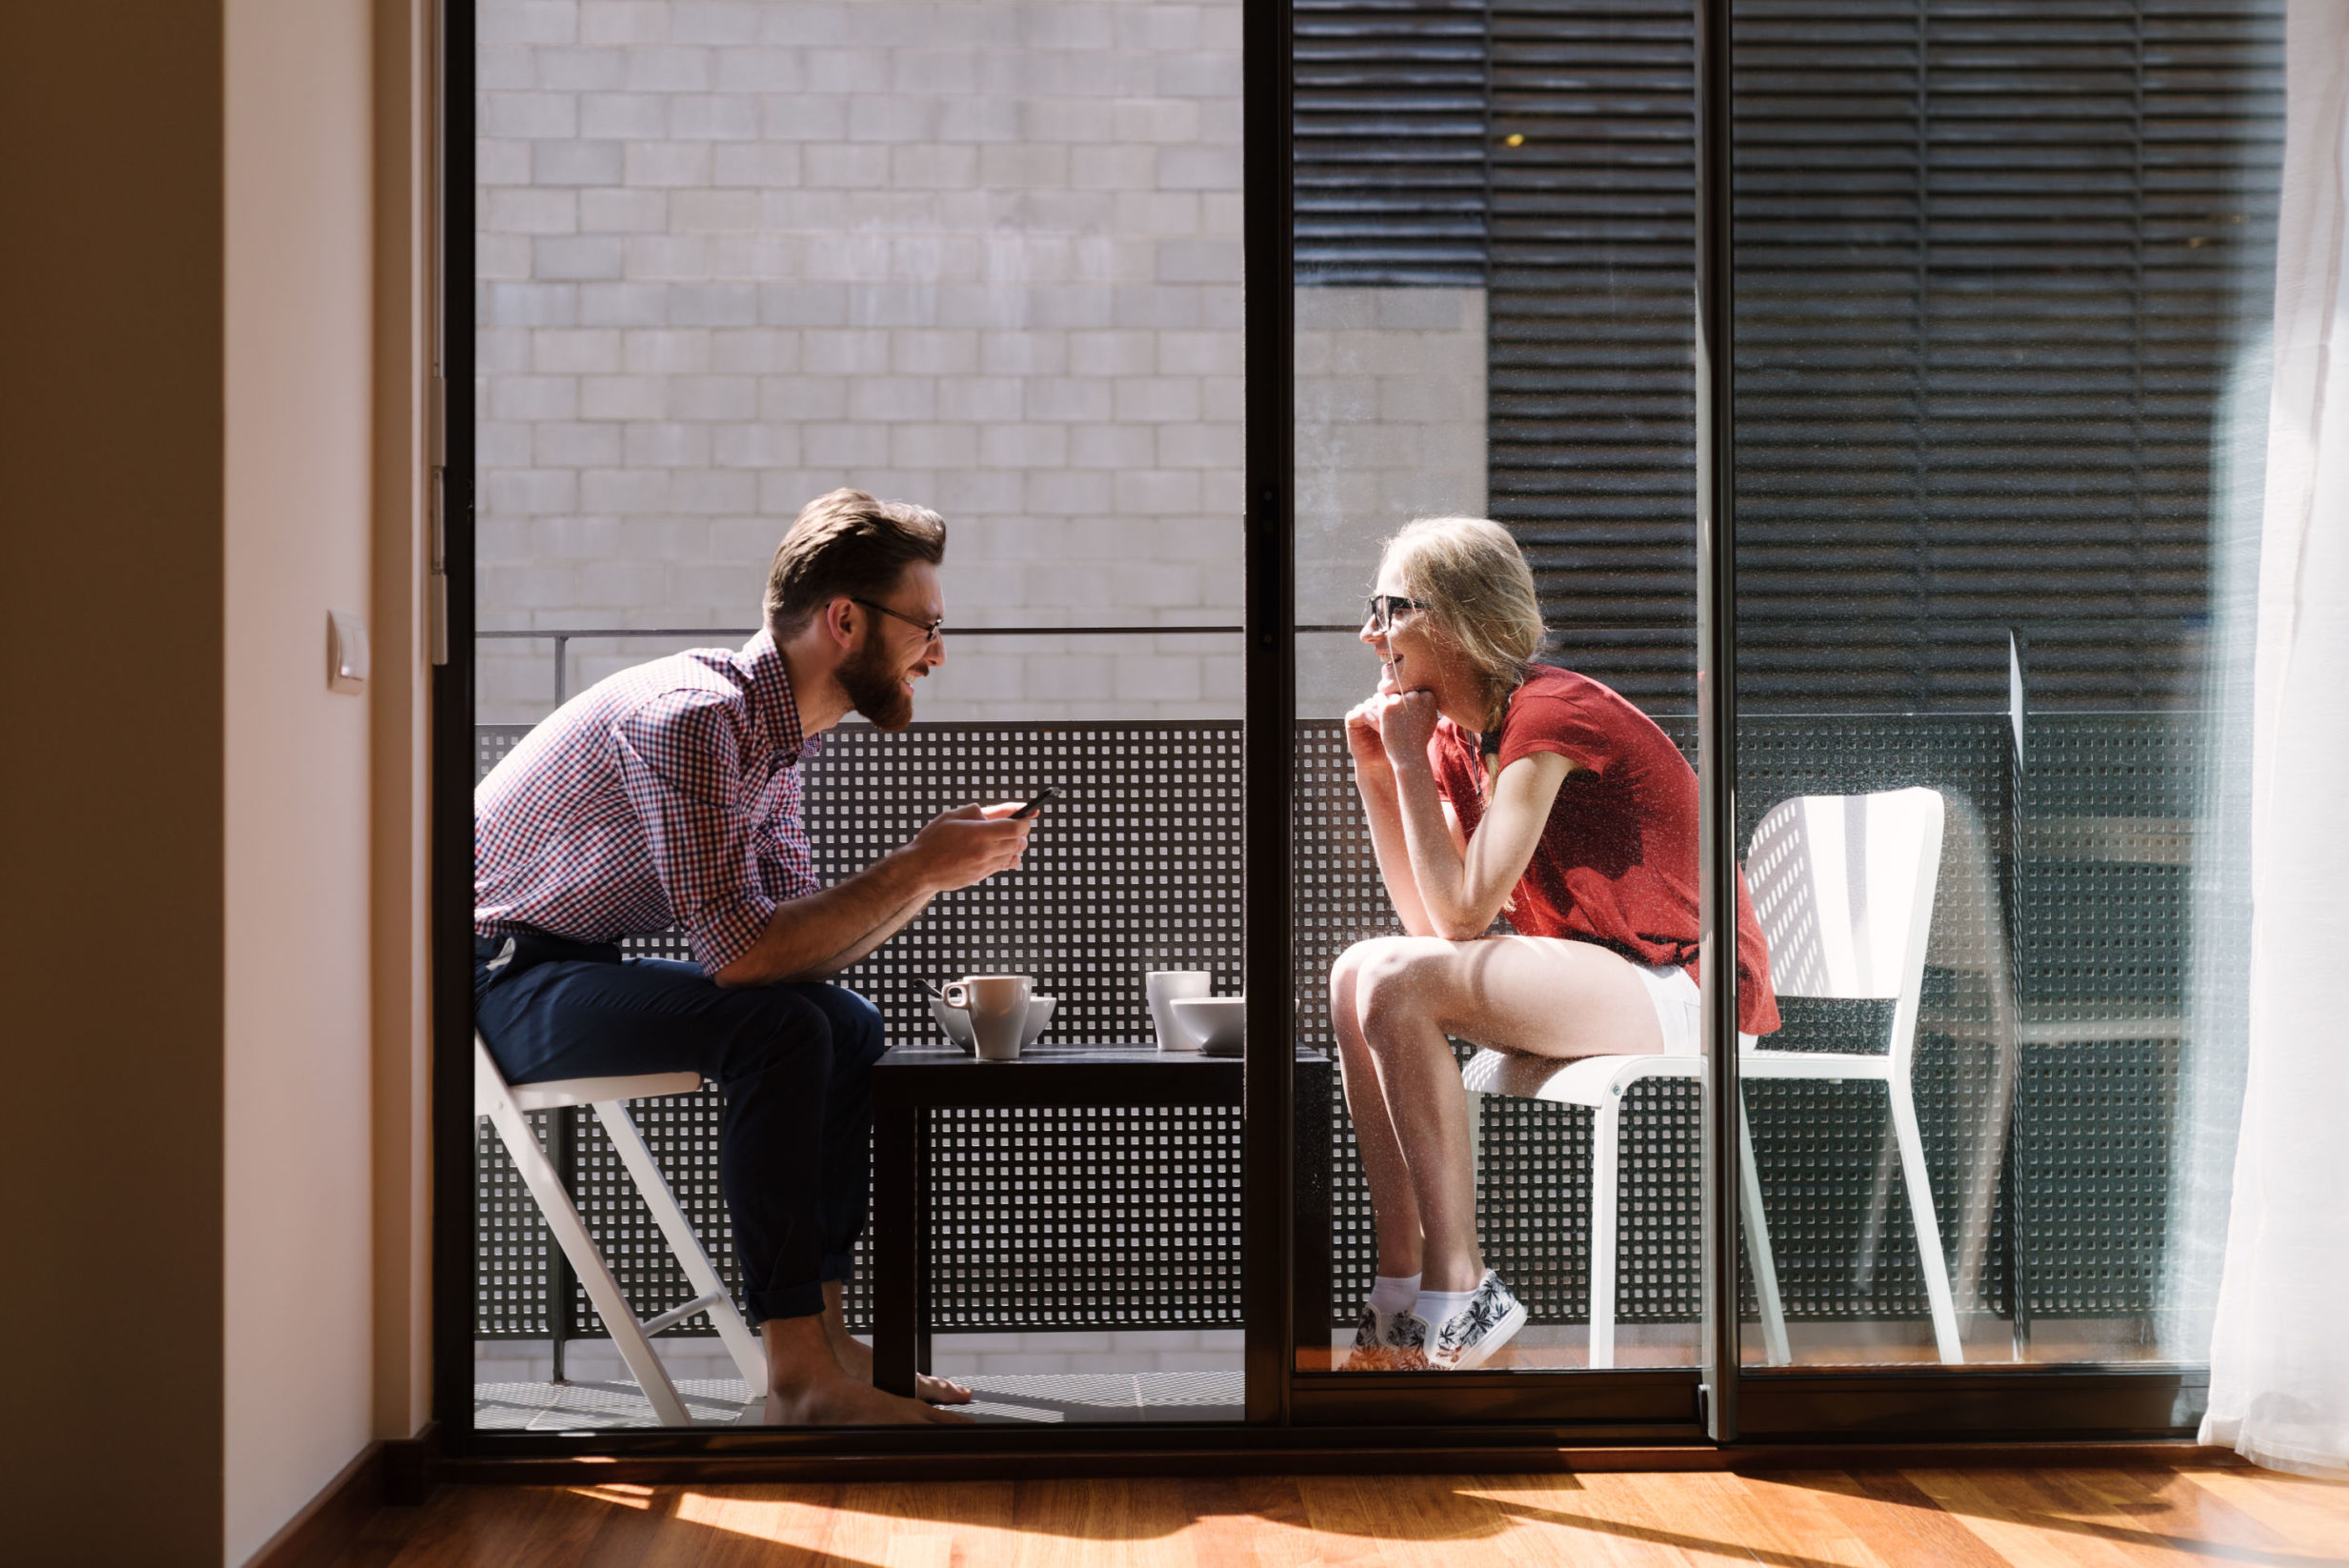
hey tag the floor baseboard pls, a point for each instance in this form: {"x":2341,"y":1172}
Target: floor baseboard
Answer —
{"x":331,"y":1522}
{"x":396,"y":1473}
{"x":718,"y":1469}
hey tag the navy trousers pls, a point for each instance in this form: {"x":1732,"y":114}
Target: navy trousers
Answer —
{"x":794,"y":1063}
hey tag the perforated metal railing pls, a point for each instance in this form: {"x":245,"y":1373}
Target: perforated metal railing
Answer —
{"x":1138,"y":870}
{"x":1122,"y":1217}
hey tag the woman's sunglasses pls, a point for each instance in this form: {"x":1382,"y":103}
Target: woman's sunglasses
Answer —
{"x":1382,"y":609}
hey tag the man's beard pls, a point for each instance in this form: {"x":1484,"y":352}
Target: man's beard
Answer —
{"x":873,"y":687}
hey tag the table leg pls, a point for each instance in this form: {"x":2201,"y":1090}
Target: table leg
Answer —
{"x":1310,"y":1221}
{"x":897,"y":1232}
{"x":920,"y":1211}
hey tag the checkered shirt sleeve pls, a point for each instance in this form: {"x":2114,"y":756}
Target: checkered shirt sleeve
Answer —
{"x":680,"y":759}
{"x":785,"y":855}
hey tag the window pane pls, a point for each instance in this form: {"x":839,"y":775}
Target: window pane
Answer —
{"x":1492,"y":239}
{"x":983,"y":256}
{"x":2001,"y":287}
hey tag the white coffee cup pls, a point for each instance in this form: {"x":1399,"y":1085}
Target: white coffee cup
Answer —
{"x":1164,"y":985}
{"x":956,"y":1022}
{"x":998,"y":1009}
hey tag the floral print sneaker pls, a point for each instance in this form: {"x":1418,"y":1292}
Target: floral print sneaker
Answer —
{"x":1388,"y":1342}
{"x":1470,"y":1336}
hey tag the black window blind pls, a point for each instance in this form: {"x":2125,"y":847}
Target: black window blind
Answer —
{"x":1998,"y":266}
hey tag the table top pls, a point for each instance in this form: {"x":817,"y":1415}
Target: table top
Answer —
{"x":1064,"y":1073}
{"x":1066,"y":1054}
{"x":1056,"y":1052}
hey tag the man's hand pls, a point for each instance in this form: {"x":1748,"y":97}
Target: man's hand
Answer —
{"x":969,"y":844}
{"x":1406,"y":722}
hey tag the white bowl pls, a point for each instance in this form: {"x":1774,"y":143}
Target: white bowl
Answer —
{"x":957,"y":1021}
{"x":1219,"y":1024}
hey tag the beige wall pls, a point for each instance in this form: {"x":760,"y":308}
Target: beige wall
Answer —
{"x":213,"y":865}
{"x":111,"y":878}
{"x":299,"y":1256}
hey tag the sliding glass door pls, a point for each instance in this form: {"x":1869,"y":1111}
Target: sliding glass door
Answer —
{"x":1873,"y":423}
{"x":2002,"y":282}
{"x":1985,"y":395}
{"x":1492,"y":252}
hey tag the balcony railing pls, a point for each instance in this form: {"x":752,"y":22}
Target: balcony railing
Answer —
{"x":2046,"y":1118}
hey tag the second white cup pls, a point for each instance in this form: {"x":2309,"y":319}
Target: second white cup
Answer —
{"x":1164,"y":985}
{"x":998,"y":1009}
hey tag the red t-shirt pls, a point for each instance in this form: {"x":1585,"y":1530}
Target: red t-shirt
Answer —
{"x":1616,"y":864}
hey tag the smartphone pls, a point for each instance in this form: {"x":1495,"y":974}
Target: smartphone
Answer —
{"x":1036,"y":802}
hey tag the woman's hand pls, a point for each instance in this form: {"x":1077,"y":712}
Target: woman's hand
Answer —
{"x":1406,"y":722}
{"x":1369,"y":752}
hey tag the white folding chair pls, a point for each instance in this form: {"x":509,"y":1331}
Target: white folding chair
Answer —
{"x":1843,"y":888}
{"x":505,"y":1105}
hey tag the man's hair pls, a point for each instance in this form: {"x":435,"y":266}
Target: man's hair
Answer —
{"x":1478,"y":590}
{"x":846,"y":544}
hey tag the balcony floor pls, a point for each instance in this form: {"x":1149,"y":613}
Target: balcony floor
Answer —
{"x":1010,"y":1398}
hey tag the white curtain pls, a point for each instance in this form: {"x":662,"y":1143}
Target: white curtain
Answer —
{"x":2279,"y":1350}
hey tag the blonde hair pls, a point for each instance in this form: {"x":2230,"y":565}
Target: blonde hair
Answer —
{"x":1478,"y":590}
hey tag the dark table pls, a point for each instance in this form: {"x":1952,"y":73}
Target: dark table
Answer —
{"x":912,"y":1081}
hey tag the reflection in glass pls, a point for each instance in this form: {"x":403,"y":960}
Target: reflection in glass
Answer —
{"x":1997,"y":292}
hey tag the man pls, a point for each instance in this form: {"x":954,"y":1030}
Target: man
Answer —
{"x":668,"y":797}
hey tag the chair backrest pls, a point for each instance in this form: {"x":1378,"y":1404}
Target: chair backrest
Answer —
{"x":1843,"y":888}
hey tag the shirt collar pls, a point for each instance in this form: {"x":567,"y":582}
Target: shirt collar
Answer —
{"x":773,"y":705}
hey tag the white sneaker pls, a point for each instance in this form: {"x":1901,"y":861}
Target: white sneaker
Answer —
{"x":1388,"y":1341}
{"x":1470,"y":1336}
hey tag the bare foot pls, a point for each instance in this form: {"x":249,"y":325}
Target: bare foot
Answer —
{"x":855,"y":1358}
{"x":837,"y":1401}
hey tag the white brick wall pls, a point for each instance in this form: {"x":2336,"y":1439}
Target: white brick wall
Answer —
{"x":980,"y":253}
{"x":1390,"y":426}
{"x":983,"y":255}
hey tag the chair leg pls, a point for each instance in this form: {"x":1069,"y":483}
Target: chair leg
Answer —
{"x":1606,"y":1158}
{"x":538,"y":1173}
{"x":1476,"y":1136}
{"x":1764,"y":1261}
{"x":1928,"y":1226}
{"x":748,"y":1356}
{"x":1879,"y":1205}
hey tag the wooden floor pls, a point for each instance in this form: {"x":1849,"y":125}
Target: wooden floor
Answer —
{"x":1894,"y":1518}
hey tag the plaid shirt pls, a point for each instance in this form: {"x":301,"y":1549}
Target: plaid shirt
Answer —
{"x":664,"y":797}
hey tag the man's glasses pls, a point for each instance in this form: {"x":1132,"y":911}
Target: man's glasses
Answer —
{"x":930,"y":629}
{"x":1382,"y":609}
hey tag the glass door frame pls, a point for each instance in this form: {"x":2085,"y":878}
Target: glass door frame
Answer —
{"x":1286,"y":1412}
{"x":1718,"y":1401}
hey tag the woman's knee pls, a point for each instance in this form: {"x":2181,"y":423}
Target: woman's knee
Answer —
{"x":1396,"y":986}
{"x":1345,"y":974}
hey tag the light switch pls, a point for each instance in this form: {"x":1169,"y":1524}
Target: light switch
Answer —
{"x":346,"y":651}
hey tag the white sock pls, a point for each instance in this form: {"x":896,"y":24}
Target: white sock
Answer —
{"x":1391,"y":1292}
{"x":1438,"y":1306}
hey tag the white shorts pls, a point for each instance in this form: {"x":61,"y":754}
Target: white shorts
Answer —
{"x":1679,"y":1010}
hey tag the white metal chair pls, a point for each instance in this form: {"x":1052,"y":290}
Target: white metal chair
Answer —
{"x":1843,"y":887}
{"x":505,"y":1105}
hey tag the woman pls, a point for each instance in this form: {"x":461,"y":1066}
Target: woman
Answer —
{"x":1497,"y":786}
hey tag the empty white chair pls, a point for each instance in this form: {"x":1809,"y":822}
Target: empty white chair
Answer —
{"x":505,"y":1105}
{"x":1843,"y":888}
